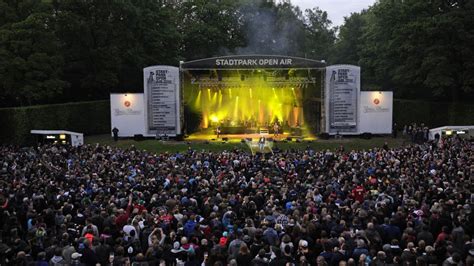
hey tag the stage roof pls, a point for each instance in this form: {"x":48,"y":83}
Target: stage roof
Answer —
{"x":236,"y":62}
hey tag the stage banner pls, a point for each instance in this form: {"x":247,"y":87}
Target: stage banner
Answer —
{"x":127,"y":113}
{"x":162,"y":97}
{"x":376,"y":112}
{"x":342,"y":89}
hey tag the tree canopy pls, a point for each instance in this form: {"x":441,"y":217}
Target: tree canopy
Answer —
{"x":71,"y":50}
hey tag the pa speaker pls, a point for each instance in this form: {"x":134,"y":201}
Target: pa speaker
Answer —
{"x":366,"y":135}
{"x":324,"y":136}
{"x":138,"y":137}
{"x":225,"y":139}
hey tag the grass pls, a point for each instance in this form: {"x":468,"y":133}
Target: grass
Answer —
{"x":157,"y":146}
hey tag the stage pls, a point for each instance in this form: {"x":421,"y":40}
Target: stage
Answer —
{"x":241,"y":101}
{"x":203,"y":136}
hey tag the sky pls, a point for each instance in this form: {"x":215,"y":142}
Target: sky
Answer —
{"x":336,"y":9}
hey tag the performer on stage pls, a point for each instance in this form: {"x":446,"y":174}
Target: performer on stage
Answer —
{"x":218,"y":131}
{"x":261,"y":143}
{"x":276,"y":129}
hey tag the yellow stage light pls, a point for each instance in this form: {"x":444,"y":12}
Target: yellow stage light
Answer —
{"x":214,"y":119}
{"x":197,"y":103}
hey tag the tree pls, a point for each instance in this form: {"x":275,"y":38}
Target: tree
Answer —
{"x":208,"y":28}
{"x":30,"y":62}
{"x":106,"y":44}
{"x":350,"y":42}
{"x":420,"y":48}
{"x":320,"y":36}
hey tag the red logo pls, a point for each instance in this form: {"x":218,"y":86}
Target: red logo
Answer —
{"x":127,"y":103}
{"x":376,"y":101}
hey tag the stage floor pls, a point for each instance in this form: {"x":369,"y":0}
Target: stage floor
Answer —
{"x":238,"y":137}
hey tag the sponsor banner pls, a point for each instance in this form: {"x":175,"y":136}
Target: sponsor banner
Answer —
{"x":342,"y":90}
{"x":127,"y":113}
{"x":161,"y":87}
{"x":376,"y":110}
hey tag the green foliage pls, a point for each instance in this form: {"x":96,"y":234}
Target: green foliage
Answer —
{"x":30,"y":64}
{"x":67,"y":50}
{"x":320,"y":37}
{"x":419,"y":49}
{"x":84,"y":117}
{"x":350,"y":40}
{"x":208,"y":27}
{"x":433,"y":114}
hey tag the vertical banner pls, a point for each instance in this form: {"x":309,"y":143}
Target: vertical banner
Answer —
{"x":161,"y":88}
{"x":342,"y":90}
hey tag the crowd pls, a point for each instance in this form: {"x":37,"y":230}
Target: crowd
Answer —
{"x":99,"y":205}
{"x":418,"y":133}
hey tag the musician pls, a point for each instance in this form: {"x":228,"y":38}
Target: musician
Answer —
{"x":218,"y":131}
{"x":261,"y":143}
{"x":276,"y":129}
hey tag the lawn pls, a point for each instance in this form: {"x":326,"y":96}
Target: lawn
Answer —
{"x":179,"y":146}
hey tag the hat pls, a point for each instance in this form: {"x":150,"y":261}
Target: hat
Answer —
{"x":175,"y":247}
{"x":418,"y":213}
{"x":303,"y":243}
{"x":76,"y":255}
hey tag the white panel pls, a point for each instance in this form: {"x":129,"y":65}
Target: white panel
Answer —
{"x":127,"y":114}
{"x":162,"y":98}
{"x":376,"y":110}
{"x":342,"y":99}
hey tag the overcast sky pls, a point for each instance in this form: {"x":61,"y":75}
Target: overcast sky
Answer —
{"x":337,"y":9}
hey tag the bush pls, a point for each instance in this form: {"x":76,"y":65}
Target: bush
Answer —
{"x":84,"y":117}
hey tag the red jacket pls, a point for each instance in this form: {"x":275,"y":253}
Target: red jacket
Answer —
{"x":122,"y":219}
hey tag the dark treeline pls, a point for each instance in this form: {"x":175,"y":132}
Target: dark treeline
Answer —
{"x":72,"y":50}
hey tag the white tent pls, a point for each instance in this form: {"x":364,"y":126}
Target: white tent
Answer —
{"x":60,"y":136}
{"x":451,"y":130}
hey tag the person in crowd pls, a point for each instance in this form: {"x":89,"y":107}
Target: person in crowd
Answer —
{"x":64,"y":205}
